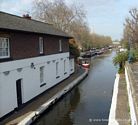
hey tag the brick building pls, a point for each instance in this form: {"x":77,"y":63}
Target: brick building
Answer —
{"x":34,"y":56}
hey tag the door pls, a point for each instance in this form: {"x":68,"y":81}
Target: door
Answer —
{"x":19,"y":92}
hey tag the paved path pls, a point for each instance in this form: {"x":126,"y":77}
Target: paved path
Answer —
{"x":122,"y":109}
{"x":132,"y":70}
{"x":17,"y":116}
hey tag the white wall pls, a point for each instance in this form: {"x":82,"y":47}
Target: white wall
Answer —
{"x":30,"y":78}
{"x":130,"y":99}
{"x":112,"y":114}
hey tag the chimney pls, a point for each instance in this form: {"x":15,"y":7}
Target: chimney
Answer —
{"x":27,"y":16}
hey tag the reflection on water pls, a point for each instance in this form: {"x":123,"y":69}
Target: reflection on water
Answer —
{"x":89,"y":103}
{"x":60,"y":114}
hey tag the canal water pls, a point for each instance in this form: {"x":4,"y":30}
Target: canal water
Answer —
{"x":89,"y":102}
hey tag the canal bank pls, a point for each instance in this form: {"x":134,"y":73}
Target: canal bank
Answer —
{"x":126,"y":111}
{"x":33,"y":109}
{"x":120,"y":110}
{"x":89,"y":102}
{"x":131,"y":74}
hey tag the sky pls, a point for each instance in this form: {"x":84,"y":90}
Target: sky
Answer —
{"x":105,"y":17}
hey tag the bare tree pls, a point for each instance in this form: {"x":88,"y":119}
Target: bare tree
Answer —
{"x":131,"y":27}
{"x":58,"y":13}
{"x":68,"y":18}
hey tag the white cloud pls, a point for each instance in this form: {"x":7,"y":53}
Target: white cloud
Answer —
{"x":26,"y":1}
{"x":17,"y":7}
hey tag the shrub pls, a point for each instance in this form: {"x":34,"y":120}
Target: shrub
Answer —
{"x":74,"y":50}
{"x":120,"y":60}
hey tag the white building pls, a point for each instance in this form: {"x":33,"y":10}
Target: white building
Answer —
{"x":34,"y":57}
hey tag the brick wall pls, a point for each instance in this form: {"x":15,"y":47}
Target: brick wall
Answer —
{"x":26,"y":45}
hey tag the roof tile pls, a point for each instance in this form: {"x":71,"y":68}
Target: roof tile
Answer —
{"x":12,"y":22}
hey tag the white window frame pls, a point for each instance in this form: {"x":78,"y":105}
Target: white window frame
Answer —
{"x":60,"y":45}
{"x":42,"y":74}
{"x":8,"y":47}
{"x":41,"y":45}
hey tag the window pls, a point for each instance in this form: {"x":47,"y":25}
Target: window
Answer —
{"x":4,"y":48}
{"x":42,"y":74}
{"x":64,"y":65}
{"x":56,"y":68}
{"x":60,"y":45}
{"x":41,"y":47}
{"x":71,"y":63}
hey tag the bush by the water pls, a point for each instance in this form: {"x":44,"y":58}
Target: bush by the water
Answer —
{"x":120,"y":60}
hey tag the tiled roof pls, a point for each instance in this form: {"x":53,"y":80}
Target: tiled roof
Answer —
{"x":12,"y":22}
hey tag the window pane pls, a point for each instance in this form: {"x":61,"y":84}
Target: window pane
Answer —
{"x":41,"y":44}
{"x":56,"y":68}
{"x":60,"y":45}
{"x":7,"y":52}
{"x":4,"y":47}
{"x":4,"y":52}
{"x":64,"y":65}
{"x":42,"y":74}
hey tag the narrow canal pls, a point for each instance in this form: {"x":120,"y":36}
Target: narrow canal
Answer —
{"x":89,"y":102}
